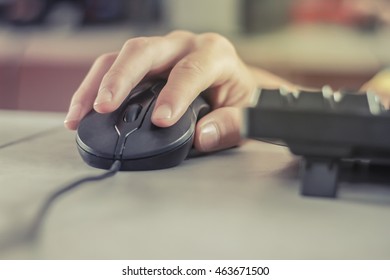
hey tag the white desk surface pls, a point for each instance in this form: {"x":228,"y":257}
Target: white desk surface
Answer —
{"x":242,"y":203}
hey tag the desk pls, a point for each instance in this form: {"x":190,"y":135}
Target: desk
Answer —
{"x":241,"y":203}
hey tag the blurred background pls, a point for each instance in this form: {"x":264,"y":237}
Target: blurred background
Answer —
{"x":47,"y":46}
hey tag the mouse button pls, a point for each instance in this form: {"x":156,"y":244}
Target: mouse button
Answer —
{"x":132,"y":112}
{"x":142,"y":97}
{"x":200,"y":107}
{"x":94,"y":121}
{"x":158,"y":87}
{"x":97,"y":135}
{"x":133,"y":115}
{"x":136,"y":103}
{"x":140,"y":94}
{"x":151,"y":140}
{"x":141,"y":87}
{"x":101,"y":146}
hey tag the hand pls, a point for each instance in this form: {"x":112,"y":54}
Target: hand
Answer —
{"x":380,"y":85}
{"x":192,"y":63}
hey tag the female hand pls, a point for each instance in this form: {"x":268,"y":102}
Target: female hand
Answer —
{"x":191,"y":63}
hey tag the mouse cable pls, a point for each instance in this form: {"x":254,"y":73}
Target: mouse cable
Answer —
{"x":29,"y":234}
{"x":34,"y":230}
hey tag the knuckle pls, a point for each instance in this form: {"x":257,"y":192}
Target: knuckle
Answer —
{"x":190,"y":65}
{"x":212,"y":39}
{"x":180,"y":33}
{"x":138,"y":43}
{"x":189,"y":38}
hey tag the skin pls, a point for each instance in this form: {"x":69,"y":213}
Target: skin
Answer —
{"x":192,"y":63}
{"x":380,"y":85}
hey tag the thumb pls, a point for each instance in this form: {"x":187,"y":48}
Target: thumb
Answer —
{"x":220,"y":129}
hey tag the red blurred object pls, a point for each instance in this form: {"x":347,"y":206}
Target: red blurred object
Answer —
{"x":327,"y":11}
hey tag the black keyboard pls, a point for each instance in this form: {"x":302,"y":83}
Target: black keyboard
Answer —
{"x":326,"y":128}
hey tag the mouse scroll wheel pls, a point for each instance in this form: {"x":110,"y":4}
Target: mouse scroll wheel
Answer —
{"x":132,"y":112}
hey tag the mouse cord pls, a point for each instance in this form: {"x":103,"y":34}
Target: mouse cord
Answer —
{"x":34,"y":230}
{"x":22,"y":236}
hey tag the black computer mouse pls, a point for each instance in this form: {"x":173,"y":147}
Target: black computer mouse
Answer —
{"x":128,"y":135}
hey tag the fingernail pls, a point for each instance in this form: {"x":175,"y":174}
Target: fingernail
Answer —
{"x":209,"y":136}
{"x":73,"y":115}
{"x":104,"y":96}
{"x":163,"y":111}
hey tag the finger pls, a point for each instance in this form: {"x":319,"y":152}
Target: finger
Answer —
{"x":85,"y":95}
{"x":189,"y":77}
{"x":380,"y":84}
{"x":219,"y":130}
{"x":138,"y":57}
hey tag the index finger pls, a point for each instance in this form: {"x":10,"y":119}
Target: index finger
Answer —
{"x":85,"y":95}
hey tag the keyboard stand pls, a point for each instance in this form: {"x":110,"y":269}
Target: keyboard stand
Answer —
{"x":319,"y":177}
